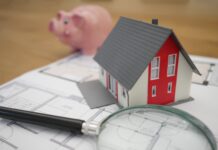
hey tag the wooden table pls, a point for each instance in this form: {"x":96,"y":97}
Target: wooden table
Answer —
{"x":25,"y":42}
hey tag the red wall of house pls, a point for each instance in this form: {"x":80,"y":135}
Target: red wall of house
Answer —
{"x":162,"y":96}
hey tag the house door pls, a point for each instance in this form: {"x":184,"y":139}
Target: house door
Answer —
{"x":112,"y":85}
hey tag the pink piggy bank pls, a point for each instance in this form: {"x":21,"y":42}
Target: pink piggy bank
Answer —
{"x":84,"y":28}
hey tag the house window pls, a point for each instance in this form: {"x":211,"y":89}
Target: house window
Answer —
{"x":102,"y":71}
{"x":109,"y":81}
{"x":124,"y":93}
{"x":169,"y":88}
{"x":154,"y":90}
{"x":112,"y":85}
{"x":155,"y":68}
{"x":171,"y":65}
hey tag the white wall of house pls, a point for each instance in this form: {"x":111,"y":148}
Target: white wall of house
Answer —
{"x":138,"y":95}
{"x":184,"y":77}
{"x":123,"y":96}
{"x":102,"y":76}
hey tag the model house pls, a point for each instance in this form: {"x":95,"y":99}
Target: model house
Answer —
{"x":143,"y":63}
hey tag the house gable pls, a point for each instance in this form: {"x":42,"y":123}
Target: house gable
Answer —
{"x":183,"y":79}
{"x":161,"y":90}
{"x":185,"y":55}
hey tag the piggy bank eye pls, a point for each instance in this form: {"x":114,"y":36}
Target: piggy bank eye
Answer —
{"x":66,"y":21}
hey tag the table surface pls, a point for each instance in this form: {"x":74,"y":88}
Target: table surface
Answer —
{"x":25,"y":42}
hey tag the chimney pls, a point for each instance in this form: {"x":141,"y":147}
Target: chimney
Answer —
{"x":154,"y":21}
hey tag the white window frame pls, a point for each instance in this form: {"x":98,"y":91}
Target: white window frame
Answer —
{"x":154,"y":88}
{"x":112,"y":85}
{"x":155,"y":68}
{"x":109,"y":81}
{"x":171,"y":65}
{"x":124,"y":94}
{"x":169,"y":87}
{"x":102,"y":71}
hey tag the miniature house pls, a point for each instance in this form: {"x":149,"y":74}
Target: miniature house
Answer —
{"x":142,"y":63}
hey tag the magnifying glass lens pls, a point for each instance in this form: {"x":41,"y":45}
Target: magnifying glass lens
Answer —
{"x":151,"y":129}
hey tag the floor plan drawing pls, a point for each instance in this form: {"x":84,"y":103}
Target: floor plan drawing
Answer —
{"x":29,"y":99}
{"x":151,"y":130}
{"x":15,"y":137}
{"x":53,"y":90}
{"x":22,"y":94}
{"x":67,"y":69}
{"x":209,"y":72}
{"x":72,"y":141}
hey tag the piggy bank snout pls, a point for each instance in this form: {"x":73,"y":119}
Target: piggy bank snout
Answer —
{"x":67,"y":33}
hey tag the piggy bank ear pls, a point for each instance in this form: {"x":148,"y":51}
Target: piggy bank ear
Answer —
{"x":60,"y":14}
{"x":78,"y":20}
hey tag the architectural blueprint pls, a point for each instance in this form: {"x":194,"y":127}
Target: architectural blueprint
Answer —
{"x":68,"y":69}
{"x":150,"y":129}
{"x":209,"y":70}
{"x":53,"y":89}
{"x":50,"y":97}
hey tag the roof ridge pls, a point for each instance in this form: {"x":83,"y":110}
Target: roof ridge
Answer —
{"x":150,"y":24}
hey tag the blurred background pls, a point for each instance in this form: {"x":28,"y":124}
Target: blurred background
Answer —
{"x":25,"y":42}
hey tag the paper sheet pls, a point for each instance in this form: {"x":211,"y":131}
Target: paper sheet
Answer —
{"x":209,"y":70}
{"x":68,"y":69}
{"x":24,"y":94}
{"x":40,"y":92}
{"x":49,"y":90}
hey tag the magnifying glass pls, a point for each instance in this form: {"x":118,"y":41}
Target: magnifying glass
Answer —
{"x":147,"y":127}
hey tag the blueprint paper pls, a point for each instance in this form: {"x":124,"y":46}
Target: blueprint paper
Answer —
{"x":214,"y":76}
{"x":39,"y":92}
{"x":204,"y":107}
{"x":76,"y":68}
{"x":15,"y":135}
{"x":47,"y":90}
{"x":209,"y":70}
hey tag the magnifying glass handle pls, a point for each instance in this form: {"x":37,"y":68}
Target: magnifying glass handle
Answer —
{"x":46,"y":120}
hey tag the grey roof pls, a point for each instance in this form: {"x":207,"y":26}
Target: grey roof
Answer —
{"x":133,"y":42}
